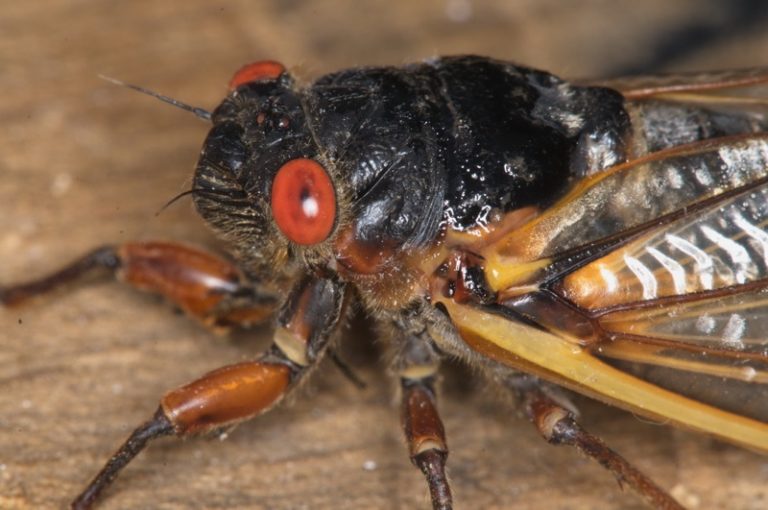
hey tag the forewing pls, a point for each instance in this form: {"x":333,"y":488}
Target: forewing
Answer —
{"x":685,"y":304}
{"x":629,"y":197}
{"x":667,"y":258}
{"x":737,"y":83}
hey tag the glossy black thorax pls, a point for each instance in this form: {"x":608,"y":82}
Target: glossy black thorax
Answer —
{"x":452,"y":143}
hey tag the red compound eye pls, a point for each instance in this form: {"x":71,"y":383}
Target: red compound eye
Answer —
{"x":304,"y":201}
{"x":257,"y":71}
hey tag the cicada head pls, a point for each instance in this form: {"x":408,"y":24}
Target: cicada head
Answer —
{"x":259,"y":181}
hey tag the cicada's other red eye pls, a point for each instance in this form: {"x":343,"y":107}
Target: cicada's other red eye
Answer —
{"x":257,"y":71}
{"x":304,"y":201}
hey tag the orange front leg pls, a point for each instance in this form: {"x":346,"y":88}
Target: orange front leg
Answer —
{"x":237,"y":392}
{"x":221,"y":397}
{"x":203,"y":285}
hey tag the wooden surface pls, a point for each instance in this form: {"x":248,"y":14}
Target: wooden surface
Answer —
{"x":83,"y":162}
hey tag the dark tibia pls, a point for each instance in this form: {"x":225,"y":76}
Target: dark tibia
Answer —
{"x":346,"y":370}
{"x":558,"y":426}
{"x":104,"y":257}
{"x":158,"y":426}
{"x":432,"y":464}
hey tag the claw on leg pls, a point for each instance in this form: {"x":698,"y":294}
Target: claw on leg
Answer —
{"x":158,"y":426}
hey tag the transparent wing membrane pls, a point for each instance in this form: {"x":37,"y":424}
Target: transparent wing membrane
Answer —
{"x":735,"y":321}
{"x":724,"y":245}
{"x":628,"y":196}
{"x":661,"y":264}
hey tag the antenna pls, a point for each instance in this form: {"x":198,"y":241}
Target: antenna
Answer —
{"x":199,"y":112}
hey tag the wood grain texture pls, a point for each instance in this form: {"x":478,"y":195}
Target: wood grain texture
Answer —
{"x":83,"y":162}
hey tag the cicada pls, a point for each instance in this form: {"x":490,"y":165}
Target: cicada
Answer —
{"x":608,"y":238}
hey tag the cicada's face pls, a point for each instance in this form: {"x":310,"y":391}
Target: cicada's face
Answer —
{"x":259,"y":182}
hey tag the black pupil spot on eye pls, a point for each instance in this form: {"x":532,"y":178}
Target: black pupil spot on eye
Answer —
{"x":309,"y":205}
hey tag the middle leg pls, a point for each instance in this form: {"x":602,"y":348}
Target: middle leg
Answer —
{"x":416,"y":363}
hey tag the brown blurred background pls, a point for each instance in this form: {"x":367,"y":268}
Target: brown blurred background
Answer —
{"x":83,"y":162}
